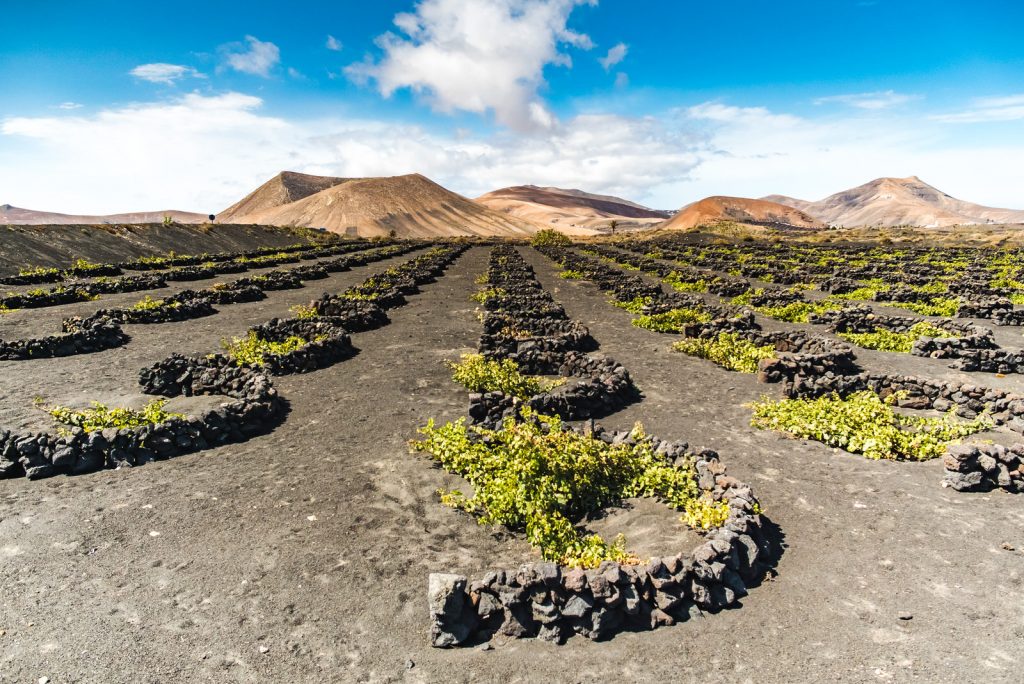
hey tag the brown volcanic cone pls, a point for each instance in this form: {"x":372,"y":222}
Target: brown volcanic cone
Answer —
{"x":900,"y":201}
{"x":562,"y":207}
{"x":411,"y":206}
{"x":712,"y":210}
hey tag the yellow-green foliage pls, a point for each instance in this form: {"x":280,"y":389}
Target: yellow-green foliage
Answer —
{"x":37,"y":271}
{"x":482,"y":296}
{"x":939,"y":306}
{"x":539,"y":477}
{"x":148,"y":304}
{"x":4,"y":309}
{"x":635,"y":305}
{"x":865,"y":293}
{"x":550,"y":237}
{"x":84,"y":265}
{"x":303,"y":311}
{"x":887,"y":340}
{"x":100,"y":416}
{"x":478,"y":374}
{"x":671,"y":321}
{"x":681,"y":283}
{"x":253,"y":350}
{"x":864,"y":423}
{"x":571,"y":274}
{"x":728,"y":350}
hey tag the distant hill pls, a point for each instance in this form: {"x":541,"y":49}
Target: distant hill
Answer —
{"x":899,"y":201}
{"x":17,"y":216}
{"x":410,"y":205}
{"x":558,"y":207}
{"x":719,"y":208}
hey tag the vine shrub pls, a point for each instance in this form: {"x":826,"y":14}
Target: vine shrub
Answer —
{"x":728,"y":350}
{"x":253,"y":350}
{"x":537,"y":476}
{"x":100,"y":416}
{"x":887,"y":340}
{"x":864,"y":423}
{"x":939,"y":306}
{"x":149,"y":304}
{"x":671,"y":321}
{"x":549,"y":237}
{"x":478,"y":374}
{"x":634,"y":305}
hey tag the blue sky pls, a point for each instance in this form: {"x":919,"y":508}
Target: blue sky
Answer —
{"x":189,"y":105}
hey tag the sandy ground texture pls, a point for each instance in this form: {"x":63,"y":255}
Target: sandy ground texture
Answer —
{"x":303,"y":556}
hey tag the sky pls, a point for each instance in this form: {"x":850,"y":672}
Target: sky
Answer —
{"x":109,"y":106}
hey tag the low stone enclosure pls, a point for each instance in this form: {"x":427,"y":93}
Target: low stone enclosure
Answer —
{"x":257,"y":407}
{"x":553,"y":602}
{"x":102,"y":330}
{"x":812,"y":365}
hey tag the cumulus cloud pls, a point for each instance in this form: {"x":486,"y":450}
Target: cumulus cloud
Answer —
{"x":254,"y":57}
{"x":150,"y":155}
{"x":615,"y":55}
{"x":160,"y":72}
{"x":477,"y":56}
{"x":754,"y":151}
{"x":69,"y":105}
{"x":333,"y":43}
{"x":881,"y":99}
{"x":988,"y":109}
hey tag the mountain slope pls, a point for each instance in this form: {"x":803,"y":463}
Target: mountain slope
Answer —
{"x":411,"y":206}
{"x":17,"y":216}
{"x":568,"y":207}
{"x":901,"y":201}
{"x":718,"y":208}
{"x":284,"y":188}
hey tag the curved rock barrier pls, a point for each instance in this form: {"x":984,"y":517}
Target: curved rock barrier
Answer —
{"x":256,"y":409}
{"x":552,"y":602}
{"x":79,"y":337}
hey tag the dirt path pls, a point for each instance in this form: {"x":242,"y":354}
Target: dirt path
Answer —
{"x":315,"y":541}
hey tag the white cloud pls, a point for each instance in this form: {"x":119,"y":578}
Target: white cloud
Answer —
{"x":477,"y":56}
{"x":621,"y":79}
{"x":333,"y":43}
{"x":205,"y":152}
{"x":160,"y":72}
{"x":253,"y":57}
{"x":753,"y":151}
{"x":881,"y":99}
{"x":69,"y":105}
{"x":988,"y":109}
{"x":615,"y":55}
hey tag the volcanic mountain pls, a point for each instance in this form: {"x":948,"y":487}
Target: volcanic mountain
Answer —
{"x":560,"y":207}
{"x":17,"y":216}
{"x":711,"y":210}
{"x":411,"y":206}
{"x":899,"y":201}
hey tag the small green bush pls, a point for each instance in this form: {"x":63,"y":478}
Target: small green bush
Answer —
{"x":253,"y":350}
{"x":864,"y":423}
{"x":148,"y":304}
{"x":478,"y":374}
{"x":571,"y":274}
{"x":100,"y":416}
{"x":635,"y":305}
{"x":671,"y":321}
{"x":38,"y":271}
{"x":538,"y":477}
{"x":680,"y":283}
{"x":728,"y":350}
{"x":939,"y":306}
{"x":549,"y":237}
{"x":887,"y":340}
{"x":303,"y":311}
